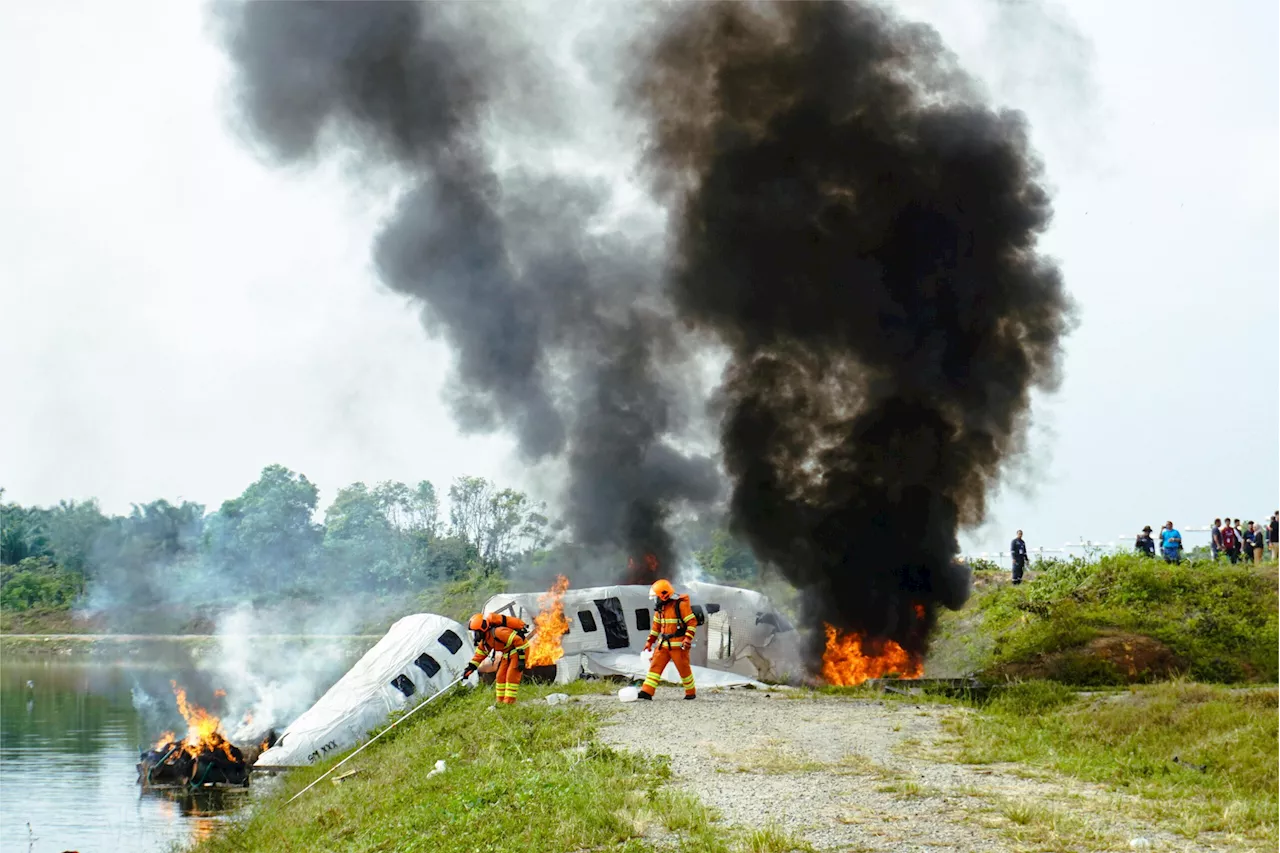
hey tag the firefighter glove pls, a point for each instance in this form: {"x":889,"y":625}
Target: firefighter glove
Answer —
{"x":685,"y":644}
{"x":648,"y":647}
{"x":466,"y":673}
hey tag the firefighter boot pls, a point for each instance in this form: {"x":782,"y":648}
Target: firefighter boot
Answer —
{"x":645,"y":696}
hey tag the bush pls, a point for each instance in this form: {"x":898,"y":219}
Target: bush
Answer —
{"x":37,"y":582}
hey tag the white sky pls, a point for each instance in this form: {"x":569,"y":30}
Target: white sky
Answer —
{"x":174,"y":316}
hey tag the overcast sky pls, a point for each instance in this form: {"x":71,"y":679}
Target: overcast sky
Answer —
{"x":174,"y":315}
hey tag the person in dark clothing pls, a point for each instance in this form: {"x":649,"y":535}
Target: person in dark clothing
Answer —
{"x":1255,"y":543}
{"x":1231,"y":542}
{"x":1144,"y":544}
{"x":1273,"y":536}
{"x":1018,"y":550}
{"x":1215,"y":539}
{"x":1241,"y":543}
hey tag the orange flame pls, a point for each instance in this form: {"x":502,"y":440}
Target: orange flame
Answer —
{"x":204,"y":730}
{"x":549,"y":625}
{"x":650,"y":565}
{"x":164,"y":740}
{"x":843,"y":662}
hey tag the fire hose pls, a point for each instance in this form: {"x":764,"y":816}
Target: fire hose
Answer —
{"x":421,"y":705}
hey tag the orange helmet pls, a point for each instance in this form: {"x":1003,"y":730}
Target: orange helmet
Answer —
{"x":477,"y":623}
{"x":662,"y":590}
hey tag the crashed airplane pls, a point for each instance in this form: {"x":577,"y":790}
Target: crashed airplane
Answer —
{"x":739,"y":631}
{"x":741,"y":639}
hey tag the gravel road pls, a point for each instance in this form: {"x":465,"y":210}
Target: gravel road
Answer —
{"x":859,"y":775}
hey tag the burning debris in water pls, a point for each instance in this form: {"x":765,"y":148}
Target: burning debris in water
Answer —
{"x":549,"y":626}
{"x":204,"y":756}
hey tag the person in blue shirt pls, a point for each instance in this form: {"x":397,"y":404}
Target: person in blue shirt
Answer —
{"x":1018,"y":550}
{"x":1171,"y":543}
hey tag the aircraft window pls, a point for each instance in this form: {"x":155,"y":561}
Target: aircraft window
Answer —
{"x":427,"y":664}
{"x":615,"y":624}
{"x":713,"y":608}
{"x":588,"y":620}
{"x":777,"y":620}
{"x":450,"y":641}
{"x":642,"y":618}
{"x":404,"y":685}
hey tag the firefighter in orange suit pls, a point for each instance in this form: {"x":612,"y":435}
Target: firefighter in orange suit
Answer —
{"x":672,"y":633}
{"x":505,"y":636}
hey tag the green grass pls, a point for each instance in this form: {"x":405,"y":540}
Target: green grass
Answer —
{"x":773,"y":839}
{"x":1219,"y":620}
{"x":461,"y":598}
{"x":44,"y":620}
{"x":530,"y":776}
{"x":1126,"y":740}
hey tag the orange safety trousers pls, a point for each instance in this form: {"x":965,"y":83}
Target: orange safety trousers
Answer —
{"x":506,"y":682}
{"x":661,"y":655}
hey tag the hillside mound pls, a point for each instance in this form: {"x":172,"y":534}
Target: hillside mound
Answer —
{"x":1116,"y":620}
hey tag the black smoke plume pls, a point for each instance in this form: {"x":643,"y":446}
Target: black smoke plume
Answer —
{"x":553,"y":332}
{"x":861,"y":231}
{"x":847,"y":218}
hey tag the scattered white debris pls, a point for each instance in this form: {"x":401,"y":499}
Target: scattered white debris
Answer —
{"x":439,"y":768}
{"x":629,"y":694}
{"x":557,"y":698}
{"x":1140,"y":843}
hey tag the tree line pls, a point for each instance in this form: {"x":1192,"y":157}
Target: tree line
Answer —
{"x":387,"y":539}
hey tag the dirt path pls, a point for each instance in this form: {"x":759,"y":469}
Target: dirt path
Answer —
{"x":859,"y":775}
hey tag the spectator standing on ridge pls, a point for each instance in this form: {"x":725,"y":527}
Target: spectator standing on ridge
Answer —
{"x":1018,"y":550}
{"x":1171,"y":543}
{"x":1256,"y":541}
{"x":1231,"y":543}
{"x":1273,"y":532}
{"x":1144,"y":544}
{"x":1215,"y":539}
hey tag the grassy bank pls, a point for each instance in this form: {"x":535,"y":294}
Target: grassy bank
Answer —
{"x":530,"y":777}
{"x":1225,"y":740}
{"x":1117,"y":620}
{"x":45,"y":620}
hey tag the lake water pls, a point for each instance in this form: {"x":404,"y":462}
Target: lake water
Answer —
{"x":69,"y":746}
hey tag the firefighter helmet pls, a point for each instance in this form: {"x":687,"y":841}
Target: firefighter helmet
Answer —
{"x":477,"y":623}
{"x":662,"y":590}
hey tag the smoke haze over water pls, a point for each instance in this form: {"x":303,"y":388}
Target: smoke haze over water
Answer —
{"x":845,"y":217}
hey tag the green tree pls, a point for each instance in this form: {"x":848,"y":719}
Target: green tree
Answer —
{"x":20,"y":535}
{"x":266,"y":538}
{"x":469,"y":507}
{"x":361,"y":540}
{"x":147,"y":556}
{"x":72,"y":528}
{"x":727,"y":559}
{"x":37,"y":582}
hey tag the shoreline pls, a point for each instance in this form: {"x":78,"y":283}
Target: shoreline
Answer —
{"x":127,"y":647}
